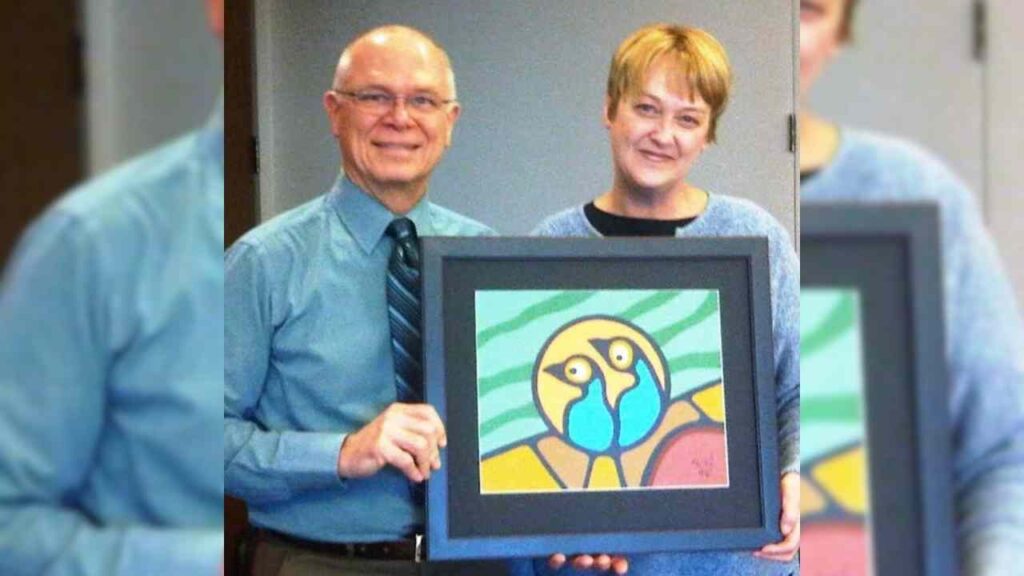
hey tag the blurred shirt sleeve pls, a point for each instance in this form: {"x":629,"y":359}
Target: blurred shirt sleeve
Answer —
{"x":54,"y":360}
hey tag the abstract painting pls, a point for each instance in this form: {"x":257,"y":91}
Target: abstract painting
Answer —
{"x":834,"y":492}
{"x":600,"y":390}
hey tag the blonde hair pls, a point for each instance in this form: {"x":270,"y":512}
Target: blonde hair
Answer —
{"x":697,"y":55}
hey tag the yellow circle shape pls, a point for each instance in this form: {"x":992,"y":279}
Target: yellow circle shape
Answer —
{"x":572,"y":345}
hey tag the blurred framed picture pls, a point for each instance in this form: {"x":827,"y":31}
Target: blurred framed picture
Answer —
{"x":599,"y":394}
{"x":875,"y":440}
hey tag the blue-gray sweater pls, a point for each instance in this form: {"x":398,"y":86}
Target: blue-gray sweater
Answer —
{"x":725,"y":216}
{"x":984,"y":339}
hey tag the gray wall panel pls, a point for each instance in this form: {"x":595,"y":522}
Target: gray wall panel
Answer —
{"x":153,"y":70}
{"x":911,"y":72}
{"x":1005,"y":135}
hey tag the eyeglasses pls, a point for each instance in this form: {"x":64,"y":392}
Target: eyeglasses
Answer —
{"x":380,"y":102}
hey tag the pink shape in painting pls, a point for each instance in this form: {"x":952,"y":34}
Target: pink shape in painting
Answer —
{"x":693,"y":457}
{"x":834,"y":548}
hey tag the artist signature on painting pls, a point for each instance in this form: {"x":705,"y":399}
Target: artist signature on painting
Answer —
{"x":704,"y":465}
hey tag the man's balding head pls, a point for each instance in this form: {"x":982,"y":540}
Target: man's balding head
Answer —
{"x":395,"y":37}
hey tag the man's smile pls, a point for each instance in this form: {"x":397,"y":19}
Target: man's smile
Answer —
{"x":397,"y":146}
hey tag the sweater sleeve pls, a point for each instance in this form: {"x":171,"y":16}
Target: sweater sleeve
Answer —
{"x":985,"y":347}
{"x":785,"y":286}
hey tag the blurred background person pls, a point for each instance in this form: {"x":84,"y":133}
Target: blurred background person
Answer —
{"x":111,"y":363}
{"x":984,"y":336}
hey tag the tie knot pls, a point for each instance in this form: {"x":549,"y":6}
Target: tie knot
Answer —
{"x":402,"y":229}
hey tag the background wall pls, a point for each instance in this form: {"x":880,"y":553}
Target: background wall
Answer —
{"x":911,"y":71}
{"x":914,"y":70}
{"x":531,"y":78}
{"x":1004,"y":145}
{"x":152,"y":71}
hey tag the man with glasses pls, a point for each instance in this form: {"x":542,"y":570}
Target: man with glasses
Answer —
{"x":326,"y":435}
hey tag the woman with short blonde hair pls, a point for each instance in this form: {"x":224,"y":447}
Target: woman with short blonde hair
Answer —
{"x":668,"y":85}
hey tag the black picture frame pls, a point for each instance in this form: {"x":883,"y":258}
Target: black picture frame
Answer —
{"x":891,"y":254}
{"x":463,"y":523}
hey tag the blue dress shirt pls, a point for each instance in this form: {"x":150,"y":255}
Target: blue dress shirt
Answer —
{"x":308,"y":360}
{"x":110,"y":373}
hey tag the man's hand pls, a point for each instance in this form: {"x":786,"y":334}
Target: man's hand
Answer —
{"x":789,"y":522}
{"x":600,"y":562}
{"x":406,"y":436}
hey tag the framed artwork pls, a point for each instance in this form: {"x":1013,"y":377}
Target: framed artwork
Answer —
{"x":599,"y":394}
{"x":875,"y":440}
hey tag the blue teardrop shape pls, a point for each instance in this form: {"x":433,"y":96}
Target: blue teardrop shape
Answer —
{"x":639,"y":407}
{"x":589,"y":423}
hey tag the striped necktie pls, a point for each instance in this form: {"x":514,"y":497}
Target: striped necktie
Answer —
{"x":403,"y":292}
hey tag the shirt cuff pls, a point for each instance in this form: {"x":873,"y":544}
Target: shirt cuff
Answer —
{"x":313,"y":461}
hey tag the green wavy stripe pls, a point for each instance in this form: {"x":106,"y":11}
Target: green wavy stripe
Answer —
{"x":511,"y":375}
{"x":518,"y":413}
{"x":836,"y":408}
{"x":694,"y":360}
{"x":556,"y":303}
{"x":525,"y":371}
{"x":647,"y":304}
{"x":838,"y":320}
{"x":522,"y":372}
{"x":708,"y":307}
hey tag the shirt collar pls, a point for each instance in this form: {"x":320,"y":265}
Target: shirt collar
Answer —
{"x":367,"y":219}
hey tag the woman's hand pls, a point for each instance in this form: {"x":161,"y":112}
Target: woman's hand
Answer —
{"x":599,"y":562}
{"x":789,"y":522}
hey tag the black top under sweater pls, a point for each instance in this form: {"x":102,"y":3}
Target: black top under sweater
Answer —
{"x":614,"y":225}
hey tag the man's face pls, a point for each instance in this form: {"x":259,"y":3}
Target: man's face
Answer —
{"x":820,"y":22}
{"x":657,"y":135}
{"x":397,"y":146}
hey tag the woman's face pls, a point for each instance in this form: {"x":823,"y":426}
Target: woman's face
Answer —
{"x":657,"y":135}
{"x":820,"y":22}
